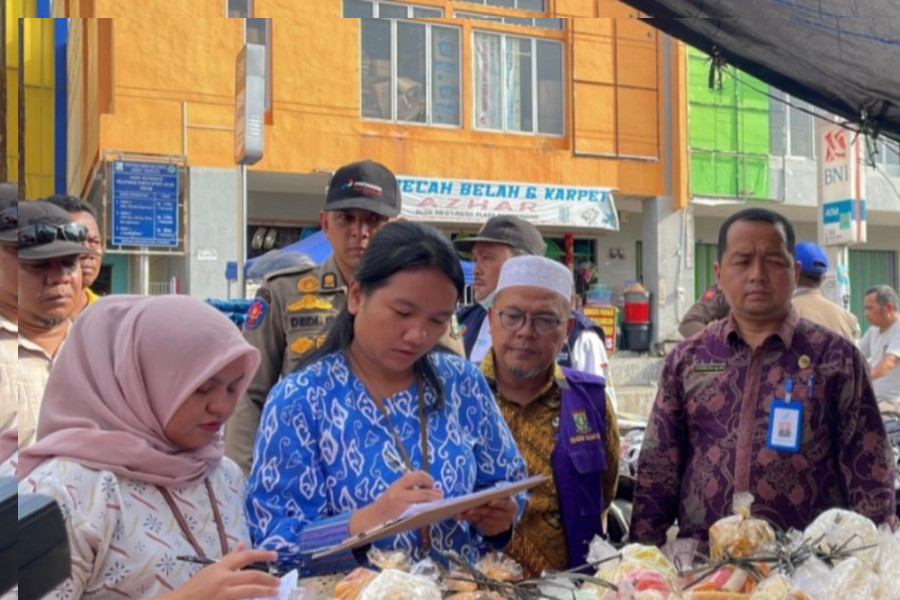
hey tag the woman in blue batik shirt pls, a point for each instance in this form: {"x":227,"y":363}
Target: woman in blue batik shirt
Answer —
{"x":340,"y":444}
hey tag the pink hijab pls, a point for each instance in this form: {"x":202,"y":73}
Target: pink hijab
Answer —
{"x":128,"y":364}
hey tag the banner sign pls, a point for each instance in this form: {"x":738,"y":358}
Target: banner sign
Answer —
{"x":455,"y":201}
{"x":842,"y":185}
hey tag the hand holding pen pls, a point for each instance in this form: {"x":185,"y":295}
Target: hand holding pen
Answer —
{"x":412,"y":488}
{"x":229,"y":579}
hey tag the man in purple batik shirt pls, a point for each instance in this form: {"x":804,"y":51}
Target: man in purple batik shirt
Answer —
{"x":724,"y":422}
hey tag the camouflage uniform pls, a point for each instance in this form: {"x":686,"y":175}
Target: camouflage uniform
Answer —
{"x":712,"y":306}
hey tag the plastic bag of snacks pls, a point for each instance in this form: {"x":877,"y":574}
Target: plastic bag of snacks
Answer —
{"x":351,"y":586}
{"x":739,"y":535}
{"x":888,"y":570}
{"x":499,"y":567}
{"x":853,"y":580}
{"x":642,"y":573}
{"x":777,"y":587}
{"x":397,"y":585}
{"x":388,"y":559}
{"x":839,"y":528}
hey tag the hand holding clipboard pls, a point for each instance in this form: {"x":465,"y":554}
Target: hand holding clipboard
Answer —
{"x":425,"y":513}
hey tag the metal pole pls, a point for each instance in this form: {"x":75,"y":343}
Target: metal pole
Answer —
{"x":21,"y":99}
{"x":242,"y":234}
{"x":4,"y":138}
{"x":144,"y":271}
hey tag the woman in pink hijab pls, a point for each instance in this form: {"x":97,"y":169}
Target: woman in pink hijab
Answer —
{"x":130,"y":446}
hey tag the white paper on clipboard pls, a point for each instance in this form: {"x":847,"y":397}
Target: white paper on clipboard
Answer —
{"x":420,"y":515}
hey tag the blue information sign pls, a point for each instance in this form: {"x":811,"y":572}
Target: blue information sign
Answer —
{"x":144,"y":204}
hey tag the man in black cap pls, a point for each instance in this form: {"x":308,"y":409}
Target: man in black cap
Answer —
{"x":294,"y":307}
{"x":498,"y":240}
{"x":85,"y":214}
{"x":9,"y":304}
{"x":50,"y":245}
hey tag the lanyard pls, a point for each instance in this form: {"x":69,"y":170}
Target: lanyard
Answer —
{"x":182,"y":524}
{"x":423,"y":428}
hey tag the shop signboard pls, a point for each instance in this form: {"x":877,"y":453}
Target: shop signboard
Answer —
{"x":455,"y":201}
{"x":842,"y":185}
{"x":607,"y":318}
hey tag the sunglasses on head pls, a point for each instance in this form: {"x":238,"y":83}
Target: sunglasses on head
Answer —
{"x":45,"y":233}
{"x":9,"y":218}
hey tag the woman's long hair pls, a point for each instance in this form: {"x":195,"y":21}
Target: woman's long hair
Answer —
{"x":398,"y":246}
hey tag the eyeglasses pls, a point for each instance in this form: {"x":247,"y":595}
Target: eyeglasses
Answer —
{"x":9,"y":218}
{"x":513,"y":320}
{"x":45,"y":233}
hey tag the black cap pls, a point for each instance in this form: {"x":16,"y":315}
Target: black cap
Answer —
{"x":38,"y":212}
{"x":9,"y":195}
{"x":509,"y":230}
{"x":364,"y":185}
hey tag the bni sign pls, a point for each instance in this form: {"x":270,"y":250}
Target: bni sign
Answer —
{"x":144,"y":204}
{"x":842,"y":185}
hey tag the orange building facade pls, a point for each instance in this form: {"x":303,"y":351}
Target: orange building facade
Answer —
{"x":507,"y":107}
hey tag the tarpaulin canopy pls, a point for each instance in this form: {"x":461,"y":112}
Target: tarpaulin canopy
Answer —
{"x":840,"y":55}
{"x":315,"y":249}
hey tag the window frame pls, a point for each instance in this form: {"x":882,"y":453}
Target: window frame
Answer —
{"x":249,"y":14}
{"x":514,"y":7}
{"x":429,"y":75}
{"x":479,"y":16}
{"x":535,"y":117}
{"x":787,"y":104}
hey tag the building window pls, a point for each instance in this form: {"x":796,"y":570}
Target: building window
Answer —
{"x":518,"y":84}
{"x":792,"y":128}
{"x":363,"y":9}
{"x":535,"y":5}
{"x":409,"y":70}
{"x":525,"y":22}
{"x":239,"y":9}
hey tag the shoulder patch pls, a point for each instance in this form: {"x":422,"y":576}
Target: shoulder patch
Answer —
{"x":256,"y":314}
{"x":709,"y":295}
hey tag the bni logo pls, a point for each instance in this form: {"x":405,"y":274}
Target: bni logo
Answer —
{"x":835,"y":146}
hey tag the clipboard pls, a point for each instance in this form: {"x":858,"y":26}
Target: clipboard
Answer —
{"x":426,"y":513}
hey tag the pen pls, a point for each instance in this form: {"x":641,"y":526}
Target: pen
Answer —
{"x":202,"y":560}
{"x":788,"y":389}
{"x":809,"y":386}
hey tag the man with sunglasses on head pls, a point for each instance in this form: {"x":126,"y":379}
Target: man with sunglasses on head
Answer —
{"x":84,"y":214}
{"x":561,"y":420}
{"x":9,"y":305}
{"x":50,"y":245}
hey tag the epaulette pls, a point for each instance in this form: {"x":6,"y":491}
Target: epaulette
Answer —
{"x":294,"y":270}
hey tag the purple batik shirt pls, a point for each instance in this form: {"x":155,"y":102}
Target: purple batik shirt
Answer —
{"x":707,"y":436}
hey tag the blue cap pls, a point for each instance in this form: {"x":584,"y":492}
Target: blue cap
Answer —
{"x":812,"y":258}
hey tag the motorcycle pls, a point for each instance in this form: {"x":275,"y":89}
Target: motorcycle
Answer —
{"x":631,"y":434}
{"x":892,"y":427}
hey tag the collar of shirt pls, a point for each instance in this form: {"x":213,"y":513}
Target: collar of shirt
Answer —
{"x":490,"y":373}
{"x":91,"y":296}
{"x":728,"y":332}
{"x":30,"y":346}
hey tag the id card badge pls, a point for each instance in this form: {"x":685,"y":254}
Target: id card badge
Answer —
{"x":785,"y":426}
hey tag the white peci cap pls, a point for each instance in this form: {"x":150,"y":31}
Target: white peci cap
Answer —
{"x":539,"y":272}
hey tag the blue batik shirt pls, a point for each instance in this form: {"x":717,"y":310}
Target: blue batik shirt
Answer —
{"x":320,"y":455}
